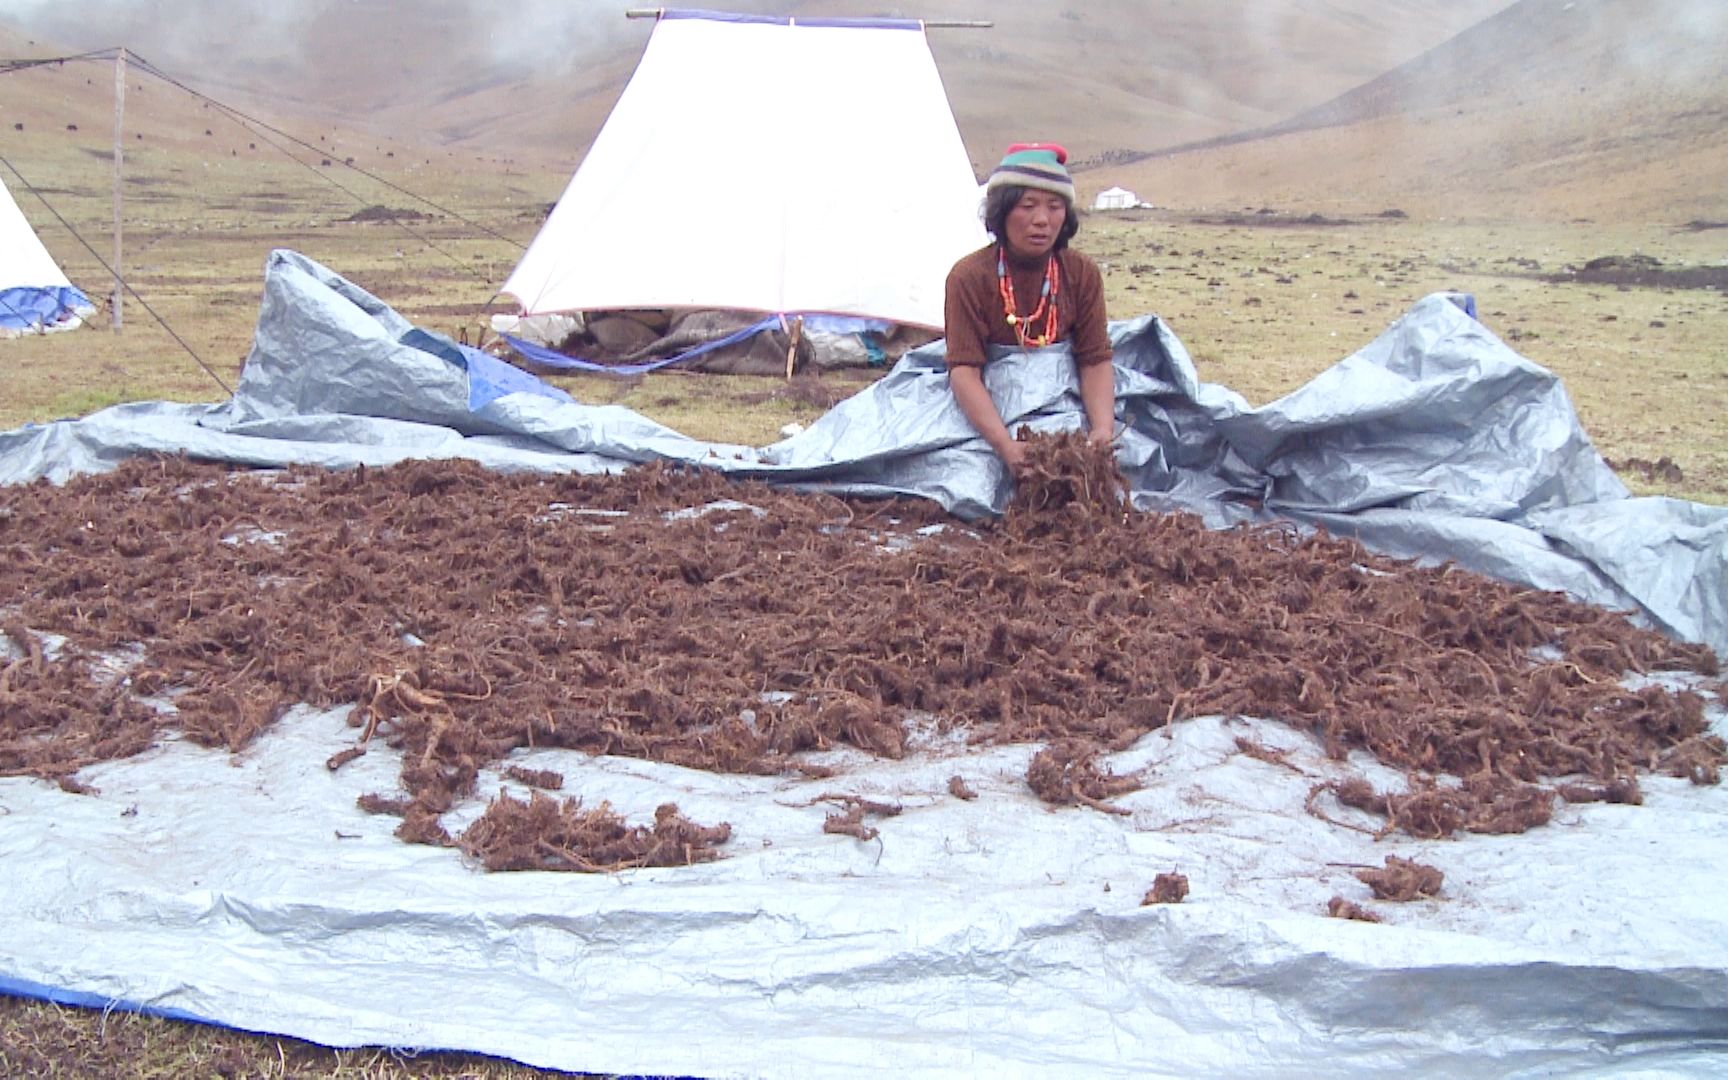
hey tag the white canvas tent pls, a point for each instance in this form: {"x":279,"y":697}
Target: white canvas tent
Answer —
{"x":1116,"y":198}
{"x":766,"y":164}
{"x":35,"y":294}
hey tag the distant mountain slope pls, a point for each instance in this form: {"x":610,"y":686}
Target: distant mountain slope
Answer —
{"x":539,"y":79}
{"x":1551,"y":50}
{"x":1560,"y":108}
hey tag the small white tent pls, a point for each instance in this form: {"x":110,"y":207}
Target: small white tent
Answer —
{"x":766,"y":164}
{"x":1116,"y":198}
{"x":35,"y":295}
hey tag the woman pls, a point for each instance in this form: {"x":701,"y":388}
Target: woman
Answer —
{"x":1025,"y":290}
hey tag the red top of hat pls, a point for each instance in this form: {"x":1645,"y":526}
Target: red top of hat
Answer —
{"x":1060,"y":152}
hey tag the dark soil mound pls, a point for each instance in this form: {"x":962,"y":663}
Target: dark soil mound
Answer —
{"x":1641,"y":270}
{"x":385,"y":213}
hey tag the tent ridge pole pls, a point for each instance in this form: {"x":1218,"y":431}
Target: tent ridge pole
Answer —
{"x":928,"y":24}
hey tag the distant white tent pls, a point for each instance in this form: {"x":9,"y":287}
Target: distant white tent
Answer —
{"x":1116,"y":198}
{"x":35,"y":295}
{"x":766,"y":164}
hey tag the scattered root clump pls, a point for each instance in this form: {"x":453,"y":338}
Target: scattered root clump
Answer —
{"x":1068,"y":774}
{"x":1167,"y":889}
{"x":1340,"y":908}
{"x":342,"y":757}
{"x":1622,"y":789}
{"x":558,"y":834}
{"x":678,"y":616}
{"x":544,"y":779}
{"x":389,"y":805}
{"x":1259,"y":751}
{"x":1403,"y":879}
{"x":850,"y":821}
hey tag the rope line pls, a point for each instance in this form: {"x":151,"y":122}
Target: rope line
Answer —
{"x":250,"y":121}
{"x":130,"y":291}
{"x":277,"y":139}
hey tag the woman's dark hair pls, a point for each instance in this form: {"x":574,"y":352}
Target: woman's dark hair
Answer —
{"x":1005,"y":198}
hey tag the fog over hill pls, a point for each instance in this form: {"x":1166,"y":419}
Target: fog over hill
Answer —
{"x":1559,"y":108}
{"x":540,"y":75}
{"x":1553,"y":49}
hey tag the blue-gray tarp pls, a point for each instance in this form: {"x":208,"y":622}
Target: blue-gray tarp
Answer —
{"x":1436,"y":441}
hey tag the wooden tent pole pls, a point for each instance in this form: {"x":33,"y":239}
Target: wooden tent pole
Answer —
{"x":929,"y":24}
{"x":119,"y":169}
{"x":792,"y":337}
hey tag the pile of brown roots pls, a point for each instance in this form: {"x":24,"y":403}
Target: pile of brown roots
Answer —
{"x":685,"y":618}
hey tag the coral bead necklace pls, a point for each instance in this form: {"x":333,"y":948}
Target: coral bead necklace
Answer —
{"x":1038,"y":328}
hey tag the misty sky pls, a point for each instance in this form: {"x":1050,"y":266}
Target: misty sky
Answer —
{"x":545,"y":35}
{"x":396,"y":45}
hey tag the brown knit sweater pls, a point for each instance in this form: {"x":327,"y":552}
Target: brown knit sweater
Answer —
{"x":975,"y":319}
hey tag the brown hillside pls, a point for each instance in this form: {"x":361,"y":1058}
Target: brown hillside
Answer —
{"x":1610,"y":109}
{"x":1548,"y":51}
{"x":1109,"y":76}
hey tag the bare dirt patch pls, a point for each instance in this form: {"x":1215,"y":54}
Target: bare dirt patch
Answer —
{"x":385,"y":214}
{"x":806,"y":388}
{"x":1268,"y":218}
{"x":1643,"y":271}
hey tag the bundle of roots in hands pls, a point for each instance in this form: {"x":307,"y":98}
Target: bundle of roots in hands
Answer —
{"x":1066,"y":483}
{"x":463,"y":615}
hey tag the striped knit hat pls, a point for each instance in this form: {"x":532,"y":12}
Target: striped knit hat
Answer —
{"x":1034,"y":165}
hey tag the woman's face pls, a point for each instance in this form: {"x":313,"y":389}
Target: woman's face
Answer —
{"x":1033,"y":224}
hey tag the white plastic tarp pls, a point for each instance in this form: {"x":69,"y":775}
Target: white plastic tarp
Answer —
{"x":986,"y":936}
{"x":766,"y":166}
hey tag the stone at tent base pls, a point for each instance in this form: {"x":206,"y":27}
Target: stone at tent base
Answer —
{"x":621,"y":334}
{"x":640,"y":336}
{"x":548,"y":330}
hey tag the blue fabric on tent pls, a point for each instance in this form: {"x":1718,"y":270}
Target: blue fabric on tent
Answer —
{"x":28,"y":308}
{"x":845,"y":324}
{"x":552,"y":358}
{"x":489,"y":378}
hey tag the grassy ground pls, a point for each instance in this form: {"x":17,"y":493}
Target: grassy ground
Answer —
{"x":1262,"y":307}
{"x":48,"y":1042}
